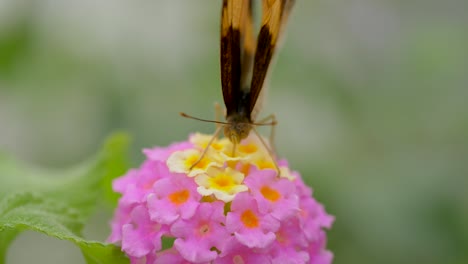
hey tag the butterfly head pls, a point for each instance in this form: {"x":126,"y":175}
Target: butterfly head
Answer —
{"x":237,"y":129}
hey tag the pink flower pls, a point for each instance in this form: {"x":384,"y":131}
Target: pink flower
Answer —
{"x":173,"y":197}
{"x":150,"y":258}
{"x":138,"y":183}
{"x":198,"y":236}
{"x":318,"y":252}
{"x":276,"y":196}
{"x":291,"y":256}
{"x":226,"y":209}
{"x":313,"y":218}
{"x":171,"y":256}
{"x":121,"y":217}
{"x":161,"y":154}
{"x":235,"y":252}
{"x":251,"y":228}
{"x":141,"y":236}
{"x":291,"y":245}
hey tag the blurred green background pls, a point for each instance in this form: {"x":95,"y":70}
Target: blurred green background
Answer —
{"x":371,"y":98}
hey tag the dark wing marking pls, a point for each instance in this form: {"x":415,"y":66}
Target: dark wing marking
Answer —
{"x":274,"y":18}
{"x":231,"y":15}
{"x":248,"y":47}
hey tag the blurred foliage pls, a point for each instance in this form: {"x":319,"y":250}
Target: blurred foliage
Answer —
{"x":59,"y":203}
{"x":370,"y":97}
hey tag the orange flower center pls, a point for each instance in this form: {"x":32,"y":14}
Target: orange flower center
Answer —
{"x":245,"y":168}
{"x":249,"y":219}
{"x":270,"y":194}
{"x":179,"y":197}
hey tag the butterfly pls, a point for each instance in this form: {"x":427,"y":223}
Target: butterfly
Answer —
{"x":245,"y":61}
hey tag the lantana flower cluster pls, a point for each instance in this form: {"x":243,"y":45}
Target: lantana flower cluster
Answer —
{"x":232,"y":206}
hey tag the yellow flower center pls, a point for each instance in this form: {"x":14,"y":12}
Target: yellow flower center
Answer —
{"x":248,"y":149}
{"x":222,"y":181}
{"x":264,"y":164}
{"x":249,"y":219}
{"x":179,"y":197}
{"x":270,"y":194}
{"x":217,"y":146}
{"x":193,"y":158}
{"x":232,"y":164}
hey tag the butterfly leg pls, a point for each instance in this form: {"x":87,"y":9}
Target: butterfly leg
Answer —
{"x":215,"y":136}
{"x":271,"y":119}
{"x":272,"y":155}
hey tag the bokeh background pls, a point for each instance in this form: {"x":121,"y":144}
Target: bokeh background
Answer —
{"x":371,"y":98}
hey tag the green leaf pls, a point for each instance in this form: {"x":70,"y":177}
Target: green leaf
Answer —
{"x":98,"y":253}
{"x":58,"y":203}
{"x":15,"y":43}
{"x":6,"y":237}
{"x":116,"y":165}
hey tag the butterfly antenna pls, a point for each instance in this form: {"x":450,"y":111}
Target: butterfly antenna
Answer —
{"x":201,"y":119}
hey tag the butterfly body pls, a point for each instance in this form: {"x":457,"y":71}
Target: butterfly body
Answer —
{"x":245,"y":60}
